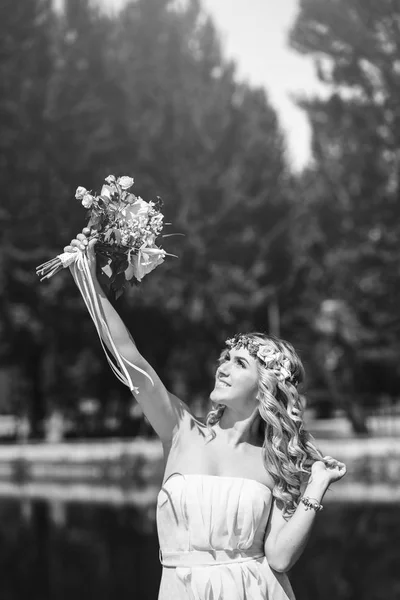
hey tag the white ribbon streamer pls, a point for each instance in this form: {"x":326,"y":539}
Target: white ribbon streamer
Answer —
{"x":84,"y":280}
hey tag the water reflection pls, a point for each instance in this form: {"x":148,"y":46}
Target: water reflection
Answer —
{"x":84,"y":493}
{"x":353,"y":554}
{"x":55,"y":550}
{"x":63,"y":548}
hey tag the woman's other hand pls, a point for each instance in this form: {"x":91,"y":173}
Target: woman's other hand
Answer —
{"x":328,"y":469}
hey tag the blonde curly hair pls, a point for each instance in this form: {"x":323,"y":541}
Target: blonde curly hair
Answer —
{"x":288,"y":449}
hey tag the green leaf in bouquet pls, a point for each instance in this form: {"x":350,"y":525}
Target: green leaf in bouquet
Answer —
{"x":119,"y":292}
{"x":94,"y":221}
{"x":102,"y":258}
{"x":118,"y":285}
{"x":107,"y":270}
{"x":122,"y":265}
{"x":115,"y":260}
{"x":103,"y":279}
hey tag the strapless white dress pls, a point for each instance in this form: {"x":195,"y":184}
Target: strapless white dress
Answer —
{"x":211,"y":531}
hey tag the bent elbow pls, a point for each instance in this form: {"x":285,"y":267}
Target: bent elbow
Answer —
{"x":279,"y":562}
{"x":280,"y":557}
{"x":279,"y":566}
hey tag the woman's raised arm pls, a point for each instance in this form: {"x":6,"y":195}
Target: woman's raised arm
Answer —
{"x":162,"y":408}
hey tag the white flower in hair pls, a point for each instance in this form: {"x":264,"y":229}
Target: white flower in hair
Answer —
{"x":267,"y":355}
{"x":276,"y":361}
{"x":285,"y":371}
{"x":273,"y":359}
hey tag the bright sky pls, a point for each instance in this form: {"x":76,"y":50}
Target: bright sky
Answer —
{"x":254,"y":33}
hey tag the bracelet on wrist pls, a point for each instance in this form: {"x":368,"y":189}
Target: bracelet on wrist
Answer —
{"x":311,"y":503}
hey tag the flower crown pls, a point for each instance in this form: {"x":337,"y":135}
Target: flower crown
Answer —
{"x":273,"y":359}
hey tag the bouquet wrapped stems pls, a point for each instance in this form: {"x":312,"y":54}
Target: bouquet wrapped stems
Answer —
{"x":53,"y":266}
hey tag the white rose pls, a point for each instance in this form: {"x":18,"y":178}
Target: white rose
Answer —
{"x":87,"y":200}
{"x":265,"y":353}
{"x":125,"y":182}
{"x":269,"y":357}
{"x":285,"y":373}
{"x":144,"y":262}
{"x":110,"y":179}
{"x":80,"y":192}
{"x":285,"y":369}
{"x":136,"y":210}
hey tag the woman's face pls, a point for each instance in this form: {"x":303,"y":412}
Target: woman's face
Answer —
{"x":236,"y":380}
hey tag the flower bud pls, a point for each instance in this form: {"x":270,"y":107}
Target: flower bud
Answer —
{"x":80,"y":192}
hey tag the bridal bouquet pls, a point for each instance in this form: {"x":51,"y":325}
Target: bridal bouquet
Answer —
{"x":126,"y":229}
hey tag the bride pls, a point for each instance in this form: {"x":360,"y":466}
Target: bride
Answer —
{"x":241,"y":490}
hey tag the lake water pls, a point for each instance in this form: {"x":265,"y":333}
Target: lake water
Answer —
{"x":53,"y":550}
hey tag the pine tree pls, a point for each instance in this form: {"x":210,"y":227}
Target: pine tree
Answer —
{"x":351,"y":231}
{"x":24,"y":71}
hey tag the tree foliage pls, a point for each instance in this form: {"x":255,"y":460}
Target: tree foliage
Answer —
{"x":149,"y":93}
{"x":350,"y":230}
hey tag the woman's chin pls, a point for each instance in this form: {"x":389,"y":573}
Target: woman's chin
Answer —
{"x":218,"y":395}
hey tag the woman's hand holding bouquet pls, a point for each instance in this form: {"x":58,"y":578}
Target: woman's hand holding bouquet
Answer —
{"x":84,"y":243}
